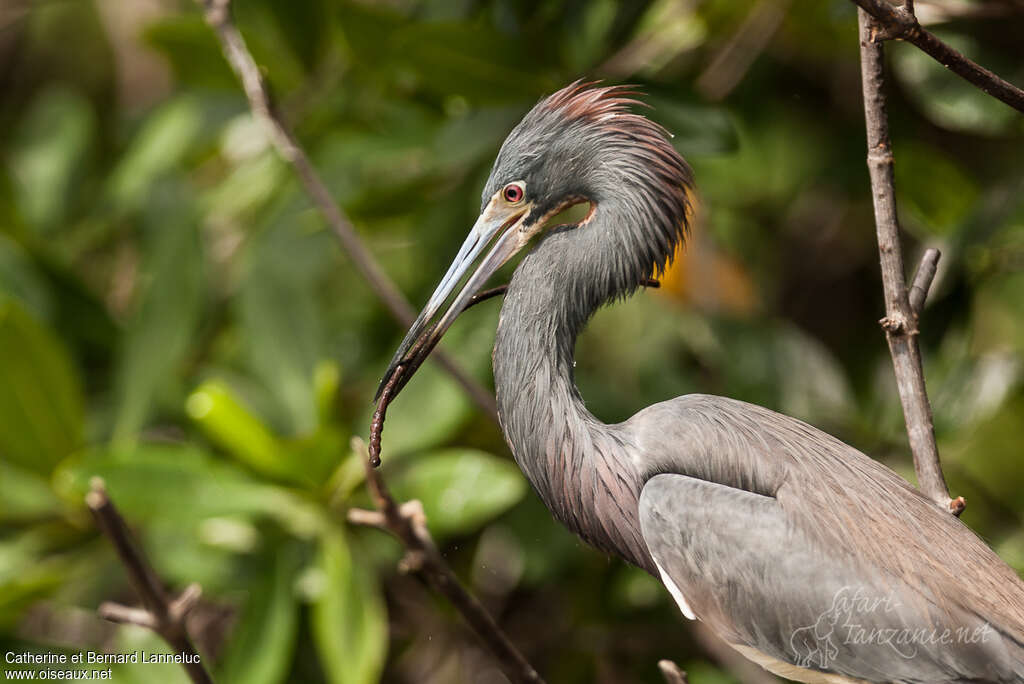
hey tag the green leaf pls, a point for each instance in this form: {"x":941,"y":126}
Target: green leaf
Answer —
{"x":697,"y":130}
{"x":304,"y":26}
{"x":252,"y":180}
{"x":68,"y":42}
{"x":25,"y":494}
{"x":157,"y":148}
{"x":281,"y":333}
{"x":226,"y":420}
{"x":589,"y":43}
{"x":935,"y":189}
{"x":263,"y":642}
{"x":314,"y":458}
{"x":460,"y":488}
{"x":326,"y":381}
{"x":367,"y":29}
{"x":159,"y":335}
{"x":997,"y":438}
{"x":20,"y":279}
{"x":468,"y":59}
{"x":229,"y":424}
{"x":998,"y":324}
{"x":29,"y":571}
{"x":211,"y":551}
{"x":349,"y":619}
{"x":132,"y":639}
{"x":1011,"y":550}
{"x":51,"y":143}
{"x":268,"y":39}
{"x":792,"y":141}
{"x":472,"y":137}
{"x":80,"y":316}
{"x":153,"y":482}
{"x":191,"y":49}
{"x":41,"y":413}
{"x":705,"y":673}
{"x":812,"y":385}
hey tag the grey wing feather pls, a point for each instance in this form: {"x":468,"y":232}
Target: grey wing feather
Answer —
{"x":829,"y":501}
{"x":762,"y":583}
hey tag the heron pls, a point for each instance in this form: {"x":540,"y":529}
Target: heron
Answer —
{"x":808,"y":557}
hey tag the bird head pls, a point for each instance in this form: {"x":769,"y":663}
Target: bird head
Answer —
{"x":580,"y":144}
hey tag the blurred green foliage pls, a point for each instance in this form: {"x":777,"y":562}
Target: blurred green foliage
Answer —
{"x":175,"y":318}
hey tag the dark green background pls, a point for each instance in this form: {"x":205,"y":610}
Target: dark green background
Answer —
{"x":175,"y":317}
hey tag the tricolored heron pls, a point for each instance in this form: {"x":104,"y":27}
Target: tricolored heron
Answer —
{"x":807,"y":556}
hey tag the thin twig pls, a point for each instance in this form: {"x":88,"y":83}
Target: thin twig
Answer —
{"x":484,"y":295}
{"x":409,"y":525}
{"x":923,"y":279}
{"x":900,"y":22}
{"x":900,"y":322}
{"x":218,"y":16}
{"x":672,"y":673}
{"x":379,"y":414}
{"x":162,"y":614}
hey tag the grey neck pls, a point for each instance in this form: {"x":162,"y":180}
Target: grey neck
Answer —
{"x":579,"y":466}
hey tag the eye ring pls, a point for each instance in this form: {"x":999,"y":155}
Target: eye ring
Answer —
{"x":513,"y":193}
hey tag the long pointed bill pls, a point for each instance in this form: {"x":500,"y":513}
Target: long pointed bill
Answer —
{"x":503,"y":226}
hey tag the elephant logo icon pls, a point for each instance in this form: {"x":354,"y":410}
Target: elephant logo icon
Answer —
{"x":815,"y":645}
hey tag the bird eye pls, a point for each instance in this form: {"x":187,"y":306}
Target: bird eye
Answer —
{"x":513,"y":193}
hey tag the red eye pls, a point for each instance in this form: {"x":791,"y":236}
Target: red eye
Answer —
{"x":513,"y":193}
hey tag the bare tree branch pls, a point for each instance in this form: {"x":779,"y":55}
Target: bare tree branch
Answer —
{"x":162,"y":614}
{"x":672,"y":673}
{"x":900,"y":22}
{"x":900,"y":322}
{"x":218,"y":16}
{"x":408,"y":524}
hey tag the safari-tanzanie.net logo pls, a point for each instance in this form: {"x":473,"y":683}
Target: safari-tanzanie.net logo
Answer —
{"x":853,"y":619}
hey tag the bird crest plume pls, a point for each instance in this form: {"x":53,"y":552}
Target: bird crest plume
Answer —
{"x":585,"y":143}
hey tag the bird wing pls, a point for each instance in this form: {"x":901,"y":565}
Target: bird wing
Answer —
{"x":799,"y":549}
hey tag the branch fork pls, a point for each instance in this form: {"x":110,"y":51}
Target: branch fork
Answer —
{"x":901,"y":25}
{"x":892,"y":22}
{"x":177,"y":610}
{"x":407,"y":522}
{"x":412,"y":513}
{"x":161,"y":614}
